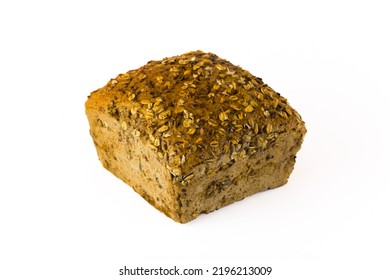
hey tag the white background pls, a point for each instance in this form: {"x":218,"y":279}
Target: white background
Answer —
{"x":63,"y":216}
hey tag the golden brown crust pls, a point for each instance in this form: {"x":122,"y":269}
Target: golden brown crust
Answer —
{"x":193,"y":133}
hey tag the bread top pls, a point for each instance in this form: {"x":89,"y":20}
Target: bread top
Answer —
{"x":194,"y":108}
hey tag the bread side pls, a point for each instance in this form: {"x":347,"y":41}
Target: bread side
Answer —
{"x":220,"y":183}
{"x":194,"y":133}
{"x":123,"y":153}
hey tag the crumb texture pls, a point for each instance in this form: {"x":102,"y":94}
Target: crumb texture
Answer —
{"x":193,"y":133}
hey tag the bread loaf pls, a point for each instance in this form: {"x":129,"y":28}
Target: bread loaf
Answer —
{"x":193,"y":133}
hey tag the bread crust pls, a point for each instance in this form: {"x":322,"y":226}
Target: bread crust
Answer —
{"x":193,"y":133}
